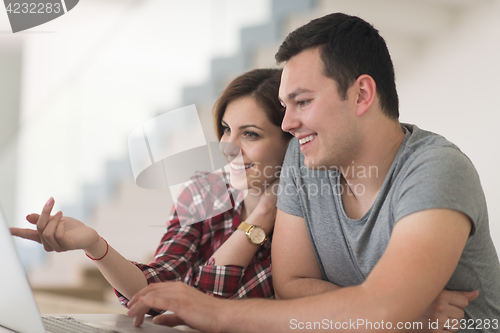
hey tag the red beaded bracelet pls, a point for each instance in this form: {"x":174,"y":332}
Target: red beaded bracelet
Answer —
{"x":107,"y":248}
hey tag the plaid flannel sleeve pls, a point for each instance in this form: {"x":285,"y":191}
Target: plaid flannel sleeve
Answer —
{"x":220,"y":281}
{"x":174,"y":256}
{"x":233,"y":281}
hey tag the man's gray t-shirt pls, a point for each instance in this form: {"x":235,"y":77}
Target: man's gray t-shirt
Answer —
{"x":428,"y":172}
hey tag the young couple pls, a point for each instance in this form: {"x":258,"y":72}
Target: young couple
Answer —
{"x":375,"y":249}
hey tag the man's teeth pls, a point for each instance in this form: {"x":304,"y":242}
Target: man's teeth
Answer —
{"x":241,"y":166}
{"x":307,"y":139}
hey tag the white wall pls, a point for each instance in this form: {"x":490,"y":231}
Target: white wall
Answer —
{"x":453,"y":90}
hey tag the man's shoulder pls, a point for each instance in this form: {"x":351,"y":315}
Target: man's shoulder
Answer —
{"x":433,"y":173}
{"x":422,"y":147}
{"x":420,"y":139}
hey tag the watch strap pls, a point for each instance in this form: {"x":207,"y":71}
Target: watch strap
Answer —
{"x":247,"y":228}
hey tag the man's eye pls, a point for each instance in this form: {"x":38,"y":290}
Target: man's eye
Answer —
{"x":303,"y":102}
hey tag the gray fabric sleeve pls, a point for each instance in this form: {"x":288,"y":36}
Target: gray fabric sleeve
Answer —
{"x":288,"y":192}
{"x":441,"y":178}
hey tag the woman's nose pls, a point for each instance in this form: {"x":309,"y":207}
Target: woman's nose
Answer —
{"x":230,"y":149}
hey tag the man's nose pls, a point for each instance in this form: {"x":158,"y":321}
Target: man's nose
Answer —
{"x":290,"y":121}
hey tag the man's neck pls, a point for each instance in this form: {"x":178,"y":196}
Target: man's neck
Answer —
{"x":363,"y":178}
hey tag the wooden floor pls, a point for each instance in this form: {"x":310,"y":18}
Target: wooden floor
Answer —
{"x":49,"y":303}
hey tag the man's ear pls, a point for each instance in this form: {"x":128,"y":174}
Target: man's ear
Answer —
{"x":366,"y":93}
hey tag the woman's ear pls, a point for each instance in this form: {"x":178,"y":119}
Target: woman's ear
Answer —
{"x":366,"y":93}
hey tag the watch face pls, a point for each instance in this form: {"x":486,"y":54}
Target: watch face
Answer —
{"x":258,"y":235}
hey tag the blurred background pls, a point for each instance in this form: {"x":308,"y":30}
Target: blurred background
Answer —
{"x":73,"y":89}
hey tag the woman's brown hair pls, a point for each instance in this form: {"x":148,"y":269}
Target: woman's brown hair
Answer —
{"x":260,"y":84}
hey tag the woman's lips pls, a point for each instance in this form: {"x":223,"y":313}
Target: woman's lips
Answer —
{"x":240,"y":168}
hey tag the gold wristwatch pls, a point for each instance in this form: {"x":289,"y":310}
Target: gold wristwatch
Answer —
{"x":256,"y":235}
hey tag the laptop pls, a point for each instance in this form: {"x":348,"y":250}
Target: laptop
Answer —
{"x":19,"y":313}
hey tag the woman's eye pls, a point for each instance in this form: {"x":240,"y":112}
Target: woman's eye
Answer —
{"x":225,"y":129}
{"x":250,"y":135}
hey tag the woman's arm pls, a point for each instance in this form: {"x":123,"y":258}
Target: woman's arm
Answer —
{"x":122,"y":274}
{"x":238,"y":268}
{"x":172,"y":259}
{"x":60,"y":234}
{"x":237,"y":249}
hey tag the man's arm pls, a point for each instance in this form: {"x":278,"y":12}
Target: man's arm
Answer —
{"x":421,"y":256}
{"x":296,"y":272}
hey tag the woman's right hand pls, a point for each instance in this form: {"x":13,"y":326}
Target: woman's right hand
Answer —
{"x":58,"y":233}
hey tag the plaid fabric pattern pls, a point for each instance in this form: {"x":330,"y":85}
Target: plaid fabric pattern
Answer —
{"x":184,"y":251}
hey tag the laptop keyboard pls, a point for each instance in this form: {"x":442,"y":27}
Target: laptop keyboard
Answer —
{"x":70,"y":325}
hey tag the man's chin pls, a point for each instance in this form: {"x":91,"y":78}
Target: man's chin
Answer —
{"x":310,"y":163}
{"x":314,"y":164}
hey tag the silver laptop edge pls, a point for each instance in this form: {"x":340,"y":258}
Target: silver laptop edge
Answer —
{"x":18,"y":310}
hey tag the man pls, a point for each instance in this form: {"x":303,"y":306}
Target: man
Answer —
{"x":375,"y":218}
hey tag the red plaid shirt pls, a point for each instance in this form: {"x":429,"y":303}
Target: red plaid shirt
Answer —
{"x":184,"y":251}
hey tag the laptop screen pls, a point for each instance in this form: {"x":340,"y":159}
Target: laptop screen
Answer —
{"x":18,"y":311}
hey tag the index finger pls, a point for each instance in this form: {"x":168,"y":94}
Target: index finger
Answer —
{"x":26,"y":234}
{"x":138,"y":310}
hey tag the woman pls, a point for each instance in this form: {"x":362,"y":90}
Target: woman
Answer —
{"x":226,"y":255}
